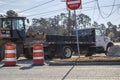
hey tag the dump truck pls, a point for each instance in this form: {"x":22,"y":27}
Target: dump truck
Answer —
{"x":12,"y":29}
{"x":90,"y":41}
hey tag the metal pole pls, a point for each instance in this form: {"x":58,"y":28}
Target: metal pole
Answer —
{"x":77,"y":36}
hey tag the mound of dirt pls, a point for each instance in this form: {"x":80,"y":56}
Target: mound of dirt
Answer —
{"x":114,"y":51}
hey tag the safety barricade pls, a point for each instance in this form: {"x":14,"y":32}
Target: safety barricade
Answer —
{"x":10,"y":54}
{"x":38,"y":54}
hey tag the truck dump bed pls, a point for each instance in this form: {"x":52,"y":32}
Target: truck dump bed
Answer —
{"x":86,"y":35}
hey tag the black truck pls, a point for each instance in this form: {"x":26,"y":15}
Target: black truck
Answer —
{"x":90,"y":40}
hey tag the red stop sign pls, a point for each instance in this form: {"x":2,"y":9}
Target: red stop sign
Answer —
{"x":73,"y":4}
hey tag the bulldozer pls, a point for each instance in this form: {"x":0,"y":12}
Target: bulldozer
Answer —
{"x":12,"y":29}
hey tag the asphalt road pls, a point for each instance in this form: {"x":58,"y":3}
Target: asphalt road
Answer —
{"x":61,"y":71}
{"x":26,"y":71}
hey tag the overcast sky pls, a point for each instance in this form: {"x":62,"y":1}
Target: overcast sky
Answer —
{"x":109,"y":9}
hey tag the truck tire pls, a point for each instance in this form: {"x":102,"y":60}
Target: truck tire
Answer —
{"x":2,"y":51}
{"x":108,"y":47}
{"x":66,"y":52}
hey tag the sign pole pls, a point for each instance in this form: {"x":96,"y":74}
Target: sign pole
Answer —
{"x":77,"y":36}
{"x":73,"y":5}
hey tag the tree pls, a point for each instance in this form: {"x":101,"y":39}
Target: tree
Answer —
{"x":110,"y":25}
{"x":112,"y":28}
{"x":103,"y":28}
{"x":83,"y":20}
{"x":11,"y":13}
{"x":111,"y":35}
{"x":95,"y":24}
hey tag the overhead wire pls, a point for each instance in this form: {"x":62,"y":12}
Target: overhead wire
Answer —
{"x":118,"y":10}
{"x":51,"y":6}
{"x":100,"y":12}
{"x":99,"y":8}
{"x":36,"y":6}
{"x":47,"y":12}
{"x":58,"y":9}
{"x":89,"y":8}
{"x":94,"y":10}
{"x":88,"y":2}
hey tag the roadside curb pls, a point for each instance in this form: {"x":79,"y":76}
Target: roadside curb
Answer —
{"x":84,"y":63}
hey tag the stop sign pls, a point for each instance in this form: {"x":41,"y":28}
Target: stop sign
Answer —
{"x":73,"y":4}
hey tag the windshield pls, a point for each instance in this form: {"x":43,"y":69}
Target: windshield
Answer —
{"x":13,"y":23}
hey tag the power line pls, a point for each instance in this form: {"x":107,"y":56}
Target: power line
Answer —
{"x":101,"y":11}
{"x":82,"y":10}
{"x":46,"y":12}
{"x":94,"y":10}
{"x":118,"y":9}
{"x":88,"y":2}
{"x":51,"y":6}
{"x":65,"y":9}
{"x":53,"y":10}
{"x":36,"y":6}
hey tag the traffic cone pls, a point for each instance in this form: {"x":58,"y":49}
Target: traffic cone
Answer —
{"x":38,"y":54}
{"x":10,"y":54}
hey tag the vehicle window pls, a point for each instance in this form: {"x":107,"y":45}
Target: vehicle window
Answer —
{"x":13,"y":23}
{"x":98,"y":32}
{"x":18,"y":24}
{"x":6,"y":23}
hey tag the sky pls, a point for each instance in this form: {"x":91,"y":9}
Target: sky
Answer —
{"x":109,"y":10}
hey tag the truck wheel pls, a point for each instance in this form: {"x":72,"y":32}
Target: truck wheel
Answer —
{"x":66,"y":52}
{"x":107,"y":49}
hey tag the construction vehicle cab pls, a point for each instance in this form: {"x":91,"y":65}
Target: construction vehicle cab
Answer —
{"x":12,"y":29}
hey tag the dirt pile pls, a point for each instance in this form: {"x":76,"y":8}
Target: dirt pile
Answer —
{"x":114,"y":51}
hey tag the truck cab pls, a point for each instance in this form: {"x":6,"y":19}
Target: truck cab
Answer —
{"x":102,"y":42}
{"x":95,"y":35}
{"x":12,"y":27}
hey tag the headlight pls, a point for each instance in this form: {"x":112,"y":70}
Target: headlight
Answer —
{"x":5,"y":33}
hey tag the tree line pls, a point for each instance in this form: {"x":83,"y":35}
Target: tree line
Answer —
{"x":63,"y":25}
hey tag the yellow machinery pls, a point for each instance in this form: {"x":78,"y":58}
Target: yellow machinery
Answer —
{"x":12,"y":29}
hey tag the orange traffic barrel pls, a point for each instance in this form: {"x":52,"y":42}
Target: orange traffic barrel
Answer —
{"x":38,"y":54}
{"x":10,"y":54}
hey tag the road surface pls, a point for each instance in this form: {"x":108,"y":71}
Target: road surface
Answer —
{"x":25,"y":71}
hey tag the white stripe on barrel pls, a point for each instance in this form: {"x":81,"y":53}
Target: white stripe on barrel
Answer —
{"x":10,"y":51}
